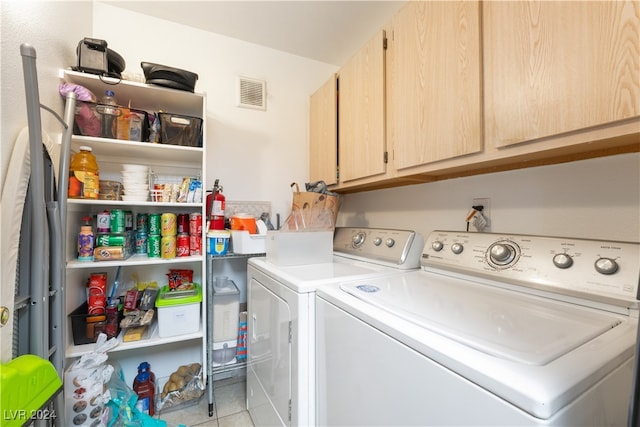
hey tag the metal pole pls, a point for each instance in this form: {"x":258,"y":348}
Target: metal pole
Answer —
{"x":39,"y":310}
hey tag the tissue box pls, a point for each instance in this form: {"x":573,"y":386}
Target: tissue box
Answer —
{"x":299,"y":247}
{"x":245,"y":243}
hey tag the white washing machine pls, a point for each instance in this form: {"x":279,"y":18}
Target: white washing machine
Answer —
{"x":493,"y":330}
{"x":281,"y":318}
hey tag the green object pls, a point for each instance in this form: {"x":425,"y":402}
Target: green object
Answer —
{"x":168,"y":298}
{"x":27,"y":383}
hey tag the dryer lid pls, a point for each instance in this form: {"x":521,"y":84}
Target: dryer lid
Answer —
{"x":506,"y":324}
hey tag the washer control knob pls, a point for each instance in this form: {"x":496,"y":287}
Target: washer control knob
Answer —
{"x":457,"y":248}
{"x":377,"y":241}
{"x":501,"y":253}
{"x":606,"y":265}
{"x":389,"y":242}
{"x":562,"y":260}
{"x":358,"y":239}
{"x":437,"y":245}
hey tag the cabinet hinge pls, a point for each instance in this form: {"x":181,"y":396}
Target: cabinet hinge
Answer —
{"x":386,"y":157}
{"x":384,"y":43}
{"x":289,"y":410}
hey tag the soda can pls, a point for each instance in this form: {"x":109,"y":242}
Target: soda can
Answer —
{"x":96,"y":302}
{"x":182,"y":245}
{"x":117,"y":221}
{"x":195,"y":224}
{"x":195,"y":244}
{"x":154,"y":224}
{"x":128,"y":220}
{"x":111,"y":239}
{"x":142,"y":241}
{"x":153,"y":246}
{"x":168,"y":224}
{"x":103,"y":222}
{"x":183,"y":223}
{"x":168,"y":247}
{"x":142,"y":222}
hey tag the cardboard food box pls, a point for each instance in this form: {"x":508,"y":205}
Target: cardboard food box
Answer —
{"x":178,"y":311}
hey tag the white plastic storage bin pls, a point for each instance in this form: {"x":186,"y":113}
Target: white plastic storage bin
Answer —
{"x":226,"y":319}
{"x":178,"y":311}
{"x":299,"y":247}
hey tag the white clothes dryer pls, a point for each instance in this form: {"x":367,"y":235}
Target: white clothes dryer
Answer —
{"x":281,"y":318}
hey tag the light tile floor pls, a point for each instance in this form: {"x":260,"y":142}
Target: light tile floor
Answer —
{"x":229,"y":407}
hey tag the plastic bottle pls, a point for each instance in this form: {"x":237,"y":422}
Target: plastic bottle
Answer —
{"x":145,"y":367}
{"x":145,"y":389}
{"x":86,"y":240}
{"x":109,"y":111}
{"x":84,"y":175}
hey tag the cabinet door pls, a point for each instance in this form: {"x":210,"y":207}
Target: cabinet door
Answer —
{"x":361,"y":113}
{"x":557,"y":67}
{"x":434,"y":104}
{"x":323,"y":133}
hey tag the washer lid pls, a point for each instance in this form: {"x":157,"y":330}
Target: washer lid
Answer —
{"x":502,"y":323}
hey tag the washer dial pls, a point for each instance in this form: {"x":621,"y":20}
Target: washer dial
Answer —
{"x":562,"y":260}
{"x":503,"y":254}
{"x":358,"y":239}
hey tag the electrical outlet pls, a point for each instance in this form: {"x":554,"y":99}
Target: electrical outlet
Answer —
{"x":485,"y":202}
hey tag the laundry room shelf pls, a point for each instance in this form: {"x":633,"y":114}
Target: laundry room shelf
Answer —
{"x":132,"y":261}
{"x":153,"y":341}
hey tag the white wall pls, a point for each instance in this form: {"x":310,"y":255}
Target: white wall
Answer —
{"x":596,"y":198}
{"x":255,"y":154}
{"x":54,"y":30}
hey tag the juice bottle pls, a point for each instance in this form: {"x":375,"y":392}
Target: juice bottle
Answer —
{"x":84,"y":180}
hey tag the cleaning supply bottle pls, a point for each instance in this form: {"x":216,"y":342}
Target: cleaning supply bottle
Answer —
{"x":109,"y":112}
{"x":217,"y":204}
{"x":86,"y":240}
{"x":145,"y":389}
{"x":84,"y":175}
{"x":145,"y":367}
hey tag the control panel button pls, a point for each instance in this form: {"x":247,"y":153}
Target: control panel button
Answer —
{"x":358,"y":239}
{"x":377,"y":241}
{"x":390,"y":242}
{"x":606,"y":265}
{"x":437,"y":245}
{"x":562,"y":260}
{"x":457,"y":248}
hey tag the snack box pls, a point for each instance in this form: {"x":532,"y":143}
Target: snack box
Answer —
{"x":178,"y":311}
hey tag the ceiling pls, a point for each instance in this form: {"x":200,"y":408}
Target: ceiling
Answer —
{"x":329,"y":31}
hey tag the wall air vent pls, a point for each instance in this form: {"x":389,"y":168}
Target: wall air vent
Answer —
{"x":252,"y":93}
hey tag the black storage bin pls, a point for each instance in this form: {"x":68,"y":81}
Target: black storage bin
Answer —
{"x":86,"y":327}
{"x":176,"y":129}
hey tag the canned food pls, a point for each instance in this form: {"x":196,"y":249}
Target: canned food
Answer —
{"x":195,"y":223}
{"x":141,"y":242}
{"x":96,"y":302}
{"x":183,"y":223}
{"x":168,"y":224}
{"x":195,"y":244}
{"x":98,"y":281}
{"x":168,"y":246}
{"x":153,"y":246}
{"x":117,"y":221}
{"x":182,"y":245}
{"x":154,"y":224}
{"x":142,"y":222}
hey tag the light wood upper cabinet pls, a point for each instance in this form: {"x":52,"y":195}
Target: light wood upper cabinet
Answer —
{"x":554,"y":67}
{"x":361,"y":113}
{"x":323,"y":133}
{"x":434,"y":82}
